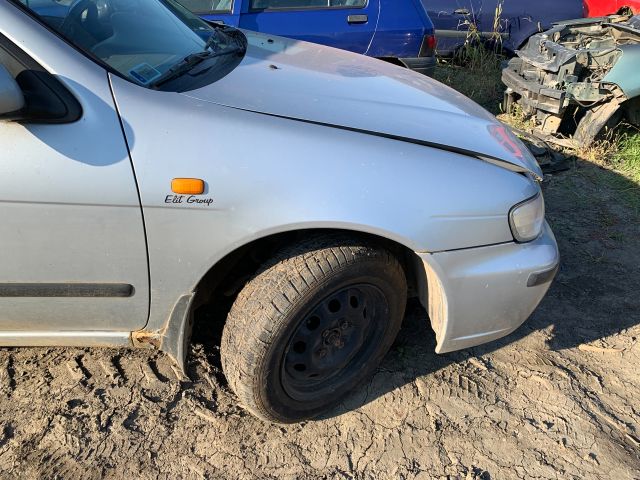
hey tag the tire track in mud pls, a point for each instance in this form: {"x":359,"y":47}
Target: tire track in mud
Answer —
{"x":7,"y":377}
{"x":115,"y":412}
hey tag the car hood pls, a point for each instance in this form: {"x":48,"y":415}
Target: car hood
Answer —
{"x":318,"y":84}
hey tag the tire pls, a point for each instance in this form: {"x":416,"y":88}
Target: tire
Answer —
{"x":313,"y":323}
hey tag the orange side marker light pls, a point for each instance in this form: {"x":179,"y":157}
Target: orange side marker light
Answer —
{"x":187,"y":186}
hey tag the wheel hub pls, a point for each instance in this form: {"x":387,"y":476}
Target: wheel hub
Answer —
{"x":330,"y":337}
{"x":333,"y":337}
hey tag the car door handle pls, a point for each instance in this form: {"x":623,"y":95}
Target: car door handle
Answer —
{"x":461,"y":11}
{"x":351,"y":19}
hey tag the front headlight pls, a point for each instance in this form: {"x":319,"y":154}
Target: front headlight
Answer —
{"x":526,"y":219}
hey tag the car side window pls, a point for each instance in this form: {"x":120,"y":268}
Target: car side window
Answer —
{"x":208,"y":6}
{"x":294,"y":4}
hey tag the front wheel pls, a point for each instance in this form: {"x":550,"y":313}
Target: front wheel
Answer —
{"x":312,"y":324}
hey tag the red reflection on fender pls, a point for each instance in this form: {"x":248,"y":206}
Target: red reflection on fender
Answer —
{"x":507,"y":139}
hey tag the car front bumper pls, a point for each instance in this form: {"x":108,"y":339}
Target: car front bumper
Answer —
{"x":424,"y":65}
{"x":477,"y":295}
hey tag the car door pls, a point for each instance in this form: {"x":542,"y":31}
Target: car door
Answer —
{"x":72,"y":245}
{"x":514,"y":20}
{"x":452,"y":19}
{"x":345,"y":24}
{"x":523,"y":19}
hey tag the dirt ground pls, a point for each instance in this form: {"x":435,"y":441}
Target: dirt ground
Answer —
{"x":557,"y":399}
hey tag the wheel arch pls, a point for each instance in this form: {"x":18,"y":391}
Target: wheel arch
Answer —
{"x":227,"y":276}
{"x":218,"y":274}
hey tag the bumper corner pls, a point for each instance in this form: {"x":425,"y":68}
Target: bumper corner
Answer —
{"x":424,"y":65}
{"x":478,"y":295}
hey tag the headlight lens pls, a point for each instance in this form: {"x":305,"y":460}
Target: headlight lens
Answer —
{"x":526,"y":219}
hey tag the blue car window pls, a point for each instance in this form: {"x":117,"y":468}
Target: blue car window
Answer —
{"x":208,"y":6}
{"x":292,"y":4}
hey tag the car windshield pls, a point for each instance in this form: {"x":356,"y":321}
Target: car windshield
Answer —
{"x":150,"y":42}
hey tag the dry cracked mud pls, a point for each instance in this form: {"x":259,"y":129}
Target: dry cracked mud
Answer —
{"x":557,"y":399}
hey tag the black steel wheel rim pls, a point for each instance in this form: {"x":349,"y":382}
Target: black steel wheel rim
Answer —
{"x":333,"y":340}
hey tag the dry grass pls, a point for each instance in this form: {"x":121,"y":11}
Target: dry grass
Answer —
{"x":517,"y":118}
{"x":480,"y":53}
{"x":600,"y":152}
{"x":617,"y":149}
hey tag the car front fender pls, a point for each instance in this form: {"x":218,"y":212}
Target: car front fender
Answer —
{"x":266,"y":175}
{"x":624,"y":72}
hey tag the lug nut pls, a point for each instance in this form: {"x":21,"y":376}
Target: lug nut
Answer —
{"x":345,"y":325}
{"x":322,"y":352}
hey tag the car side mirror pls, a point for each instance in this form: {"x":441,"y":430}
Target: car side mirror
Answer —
{"x":11,"y":97}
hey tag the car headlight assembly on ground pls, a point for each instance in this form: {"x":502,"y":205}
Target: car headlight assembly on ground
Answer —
{"x":526,"y":219}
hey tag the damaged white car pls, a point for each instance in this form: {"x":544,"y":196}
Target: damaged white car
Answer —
{"x":151,"y":163}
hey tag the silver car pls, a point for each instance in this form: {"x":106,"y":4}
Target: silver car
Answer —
{"x":152,"y":163}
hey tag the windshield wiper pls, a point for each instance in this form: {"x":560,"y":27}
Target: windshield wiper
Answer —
{"x":215,"y":38}
{"x":222,"y":34}
{"x":190,"y":61}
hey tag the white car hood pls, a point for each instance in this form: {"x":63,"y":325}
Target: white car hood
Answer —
{"x":314,"y":83}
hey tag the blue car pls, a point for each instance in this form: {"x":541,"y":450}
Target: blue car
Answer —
{"x":518,"y":19}
{"x":398,"y":31}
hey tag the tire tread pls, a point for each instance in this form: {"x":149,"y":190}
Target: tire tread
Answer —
{"x":260,"y":310}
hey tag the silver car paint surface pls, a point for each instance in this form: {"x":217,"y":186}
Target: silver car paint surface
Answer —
{"x":306,"y":81}
{"x":69,"y":205}
{"x":301,"y":176}
{"x":265,"y":174}
{"x":471,"y":292}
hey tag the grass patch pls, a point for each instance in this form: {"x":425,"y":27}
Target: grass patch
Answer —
{"x":619,"y":154}
{"x":483,"y":85}
{"x":627,"y":159}
{"x":624,"y":165}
